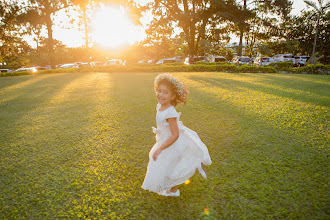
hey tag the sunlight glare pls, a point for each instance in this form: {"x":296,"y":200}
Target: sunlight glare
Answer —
{"x":206,"y":211}
{"x":187,"y":182}
{"x":112,"y":28}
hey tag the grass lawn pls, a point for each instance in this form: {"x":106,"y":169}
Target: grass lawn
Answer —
{"x":76,"y":146}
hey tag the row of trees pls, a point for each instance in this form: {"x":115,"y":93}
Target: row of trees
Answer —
{"x":179,"y":27}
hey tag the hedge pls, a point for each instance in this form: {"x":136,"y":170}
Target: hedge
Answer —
{"x":285,"y":67}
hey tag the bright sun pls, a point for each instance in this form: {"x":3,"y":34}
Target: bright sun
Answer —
{"x":112,"y":28}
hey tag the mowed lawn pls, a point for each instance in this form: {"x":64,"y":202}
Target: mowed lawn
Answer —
{"x":76,"y":146}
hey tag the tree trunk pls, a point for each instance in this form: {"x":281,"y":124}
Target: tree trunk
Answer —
{"x":315,"y":38}
{"x":241,"y":34}
{"x":240,"y":46}
{"x":85,"y":25}
{"x":192,"y":39}
{"x":50,"y":35}
{"x":189,"y":30}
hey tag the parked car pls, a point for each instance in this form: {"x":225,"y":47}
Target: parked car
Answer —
{"x":97,"y":63}
{"x":166,"y":61}
{"x":38,"y":68}
{"x":29,"y":69}
{"x":5,"y":71}
{"x":114,"y":62}
{"x":193,"y":60}
{"x":81,"y":64}
{"x":179,"y":59}
{"x":152,"y":61}
{"x":219,"y":59}
{"x":300,"y":60}
{"x":283,"y":58}
{"x":262,"y":61}
{"x":143,"y":61}
{"x":69,"y":65}
{"x":242,"y":60}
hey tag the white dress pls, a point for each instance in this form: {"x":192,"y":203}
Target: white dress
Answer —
{"x":177,"y":163}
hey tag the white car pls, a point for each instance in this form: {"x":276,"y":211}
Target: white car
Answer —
{"x":142,"y":61}
{"x":97,"y":63}
{"x":29,"y":69}
{"x":166,"y":61}
{"x":5,"y":71}
{"x":114,"y":62}
{"x":69,"y":65}
{"x":242,"y":60}
{"x":300,"y":60}
{"x":262,"y":61}
{"x":283,"y":58}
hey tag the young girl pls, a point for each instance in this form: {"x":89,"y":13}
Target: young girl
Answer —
{"x":178,"y":151}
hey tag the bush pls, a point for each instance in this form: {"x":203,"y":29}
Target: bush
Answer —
{"x":282,"y":66}
{"x":256,"y":69}
{"x":202,"y":67}
{"x":318,"y":69}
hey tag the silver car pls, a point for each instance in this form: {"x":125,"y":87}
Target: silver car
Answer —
{"x":300,"y":60}
{"x":283,"y":58}
{"x":262,"y":61}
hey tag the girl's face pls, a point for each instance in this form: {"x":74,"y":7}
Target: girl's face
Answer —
{"x":164,"y":95}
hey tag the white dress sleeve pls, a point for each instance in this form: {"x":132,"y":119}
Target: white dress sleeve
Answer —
{"x":171,"y":113}
{"x":158,"y":106}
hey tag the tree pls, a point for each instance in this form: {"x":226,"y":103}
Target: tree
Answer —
{"x":46,"y":9}
{"x":319,"y":11}
{"x":83,"y":5}
{"x":301,"y":29}
{"x":12,"y":45}
{"x":255,"y":19}
{"x":189,"y":19}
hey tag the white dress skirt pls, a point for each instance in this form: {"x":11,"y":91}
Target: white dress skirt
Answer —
{"x":177,"y":163}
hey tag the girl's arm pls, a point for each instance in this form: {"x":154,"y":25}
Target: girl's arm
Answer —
{"x":175,"y":135}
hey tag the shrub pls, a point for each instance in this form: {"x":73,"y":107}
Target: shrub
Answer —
{"x":313,"y":69}
{"x":226,"y":68}
{"x":202,"y":67}
{"x":282,"y":66}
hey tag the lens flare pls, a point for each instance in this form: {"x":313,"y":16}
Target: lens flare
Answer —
{"x":187,"y":182}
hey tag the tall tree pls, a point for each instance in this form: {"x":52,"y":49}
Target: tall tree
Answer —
{"x":12,"y":45}
{"x":191,"y":17}
{"x":254,"y":14}
{"x":300,"y":28}
{"x":319,"y":11}
{"x":46,"y":9}
{"x":83,"y":6}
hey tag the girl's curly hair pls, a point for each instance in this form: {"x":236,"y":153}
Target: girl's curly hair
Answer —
{"x":174,"y":85}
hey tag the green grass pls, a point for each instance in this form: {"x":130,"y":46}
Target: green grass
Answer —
{"x":75,"y":145}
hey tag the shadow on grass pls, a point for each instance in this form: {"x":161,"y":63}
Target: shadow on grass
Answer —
{"x":20,"y":81}
{"x":307,"y":83}
{"x":320,"y":96}
{"x":93,"y":155}
{"x":267,"y":171}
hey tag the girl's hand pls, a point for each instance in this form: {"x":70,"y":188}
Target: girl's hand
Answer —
{"x":156,"y":153}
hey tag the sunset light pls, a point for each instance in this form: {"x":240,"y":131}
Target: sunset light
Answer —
{"x":112,"y":28}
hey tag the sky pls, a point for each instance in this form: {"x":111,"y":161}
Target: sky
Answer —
{"x":118,"y":35}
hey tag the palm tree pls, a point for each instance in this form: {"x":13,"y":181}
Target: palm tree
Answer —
{"x":319,"y":11}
